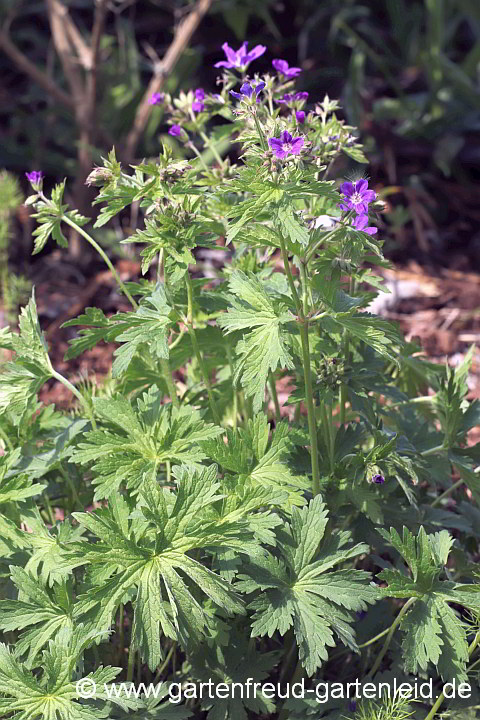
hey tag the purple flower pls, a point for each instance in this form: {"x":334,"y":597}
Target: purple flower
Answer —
{"x":247,"y":90}
{"x":357,"y":196}
{"x":175,"y":130}
{"x":240,"y":58}
{"x":156,"y":99}
{"x":282,"y":67}
{"x":360,"y":223}
{"x":352,"y":705}
{"x":291,"y":97}
{"x":198,"y":105}
{"x":288,"y":97}
{"x":35,"y":178}
{"x":378,"y":479}
{"x":286,"y":145}
{"x":300,"y":115}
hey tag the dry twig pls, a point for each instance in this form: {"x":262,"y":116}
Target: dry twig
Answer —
{"x":180,"y":41}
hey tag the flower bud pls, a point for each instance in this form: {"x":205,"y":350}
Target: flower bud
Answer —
{"x":99,"y":176}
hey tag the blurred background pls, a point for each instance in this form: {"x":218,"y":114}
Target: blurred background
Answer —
{"x":75,"y":77}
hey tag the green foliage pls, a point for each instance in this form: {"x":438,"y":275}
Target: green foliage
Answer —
{"x":433,"y":631}
{"x":21,"y":380}
{"x":265,"y":347}
{"x":185,"y":524}
{"x":295,"y":592}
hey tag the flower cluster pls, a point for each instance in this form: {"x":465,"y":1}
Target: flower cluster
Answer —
{"x":356,"y":196}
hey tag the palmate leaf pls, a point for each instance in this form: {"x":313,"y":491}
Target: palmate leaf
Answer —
{"x":21,"y":379}
{"x":53,"y":694}
{"x":15,"y":485}
{"x":139,"y":439}
{"x":238,"y":662}
{"x":264,"y":346}
{"x":159,"y":707}
{"x":249,"y":454}
{"x":294,"y":232}
{"x":46,"y":546}
{"x":148,"y":326}
{"x":40,"y":611}
{"x":49,"y":218}
{"x":151,"y":553}
{"x":456,"y":415}
{"x":372,"y":330}
{"x":296,"y":589}
{"x":434,"y":633}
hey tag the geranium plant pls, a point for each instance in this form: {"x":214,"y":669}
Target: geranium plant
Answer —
{"x":186,"y":522}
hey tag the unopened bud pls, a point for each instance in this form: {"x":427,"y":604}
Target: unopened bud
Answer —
{"x":99,"y":176}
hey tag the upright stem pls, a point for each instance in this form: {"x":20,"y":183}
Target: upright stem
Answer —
{"x":7,"y":440}
{"x":433,"y":451}
{"x":131,"y":663}
{"x":165,"y":662}
{"x":71,"y":485}
{"x":196,"y":349}
{"x":441,"y":697}
{"x":198,"y":154}
{"x":234,"y":387}
{"x":212,"y":147}
{"x":160,"y":269}
{"x":303,"y":324}
{"x":75,"y":392}
{"x":389,"y":637}
{"x":103,"y":255}
{"x":263,"y":142}
{"x":447,"y":492}
{"x":49,"y":510}
{"x":329,"y":439}
{"x":343,"y":387}
{"x":167,"y":374}
{"x":273,"y":393}
{"x":121,"y":633}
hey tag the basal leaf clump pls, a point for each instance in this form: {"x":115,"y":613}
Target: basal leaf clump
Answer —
{"x":272,"y":489}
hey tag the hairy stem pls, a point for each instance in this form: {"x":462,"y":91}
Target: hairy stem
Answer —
{"x":213,"y":148}
{"x":165,"y":662}
{"x":7,"y":440}
{"x":197,"y":351}
{"x":389,"y":637}
{"x":303,"y":323}
{"x":131,"y":663}
{"x":447,"y":492}
{"x":75,"y":392}
{"x":167,"y":374}
{"x":121,"y":633}
{"x":433,"y":451}
{"x":104,"y":257}
{"x":274,"y":396}
{"x":263,"y":142}
{"x":312,"y":425}
{"x":441,"y":697}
